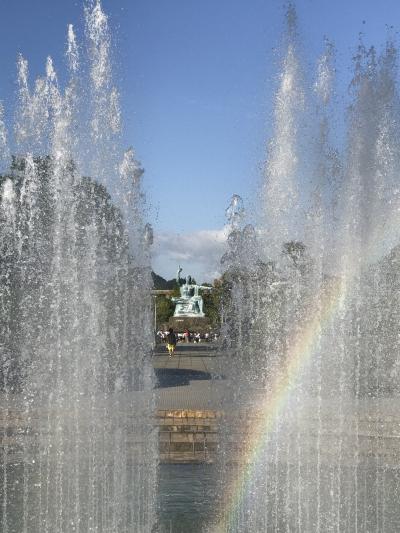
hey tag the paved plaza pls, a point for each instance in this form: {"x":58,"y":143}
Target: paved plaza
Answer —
{"x":189,"y":401}
{"x":188,"y":356}
{"x":190,"y":379}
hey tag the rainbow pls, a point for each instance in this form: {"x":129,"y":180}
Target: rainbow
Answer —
{"x":302,"y":348}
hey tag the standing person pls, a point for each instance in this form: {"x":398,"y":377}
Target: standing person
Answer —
{"x":171,"y":342}
{"x":187,"y":335}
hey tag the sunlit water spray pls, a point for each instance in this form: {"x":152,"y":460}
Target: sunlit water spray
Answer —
{"x":78,"y":452}
{"x":311,"y":300}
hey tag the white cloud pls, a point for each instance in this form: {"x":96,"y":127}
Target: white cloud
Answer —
{"x":199,"y":253}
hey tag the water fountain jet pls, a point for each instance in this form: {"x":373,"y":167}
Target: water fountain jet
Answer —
{"x":78,"y":447}
{"x":312,"y":318}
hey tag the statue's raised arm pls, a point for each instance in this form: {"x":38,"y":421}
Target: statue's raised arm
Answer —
{"x":206,"y":287}
{"x":178,"y":275}
{"x":198,"y":287}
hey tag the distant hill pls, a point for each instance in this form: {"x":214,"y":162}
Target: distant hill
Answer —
{"x":159,"y":283}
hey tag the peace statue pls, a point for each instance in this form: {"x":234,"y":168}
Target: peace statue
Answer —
{"x":190,"y":303}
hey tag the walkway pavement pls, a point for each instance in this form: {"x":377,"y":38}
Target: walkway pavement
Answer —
{"x":201,"y":357}
{"x":189,"y":379}
{"x":189,"y":401}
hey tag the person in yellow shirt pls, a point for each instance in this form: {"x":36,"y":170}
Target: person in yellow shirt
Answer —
{"x":171,"y":342}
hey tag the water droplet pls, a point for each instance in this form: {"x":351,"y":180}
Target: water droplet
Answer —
{"x":235,"y":211}
{"x":148,"y":234}
{"x":234,"y":239}
{"x":249,"y":232}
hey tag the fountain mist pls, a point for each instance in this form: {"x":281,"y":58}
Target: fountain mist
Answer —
{"x":312,"y":314}
{"x":78,"y":450}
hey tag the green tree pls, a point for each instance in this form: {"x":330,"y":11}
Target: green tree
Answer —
{"x":27,"y":253}
{"x":298,"y":255}
{"x":213,"y":301}
{"x":295,"y":250}
{"x":165,"y":310}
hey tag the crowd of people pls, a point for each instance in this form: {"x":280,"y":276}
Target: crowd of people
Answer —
{"x":187,"y":336}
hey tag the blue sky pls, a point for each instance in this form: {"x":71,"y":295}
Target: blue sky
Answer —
{"x":196,"y":81}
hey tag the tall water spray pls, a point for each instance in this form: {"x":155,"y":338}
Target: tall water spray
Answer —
{"x":311,"y":300}
{"x":78,"y":452}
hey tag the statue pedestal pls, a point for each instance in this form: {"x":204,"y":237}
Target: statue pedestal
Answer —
{"x":193,"y":324}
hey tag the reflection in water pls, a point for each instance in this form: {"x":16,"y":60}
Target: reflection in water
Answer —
{"x":186,"y":497}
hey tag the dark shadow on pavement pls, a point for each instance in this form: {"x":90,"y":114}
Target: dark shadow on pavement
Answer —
{"x":177,"y":377}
